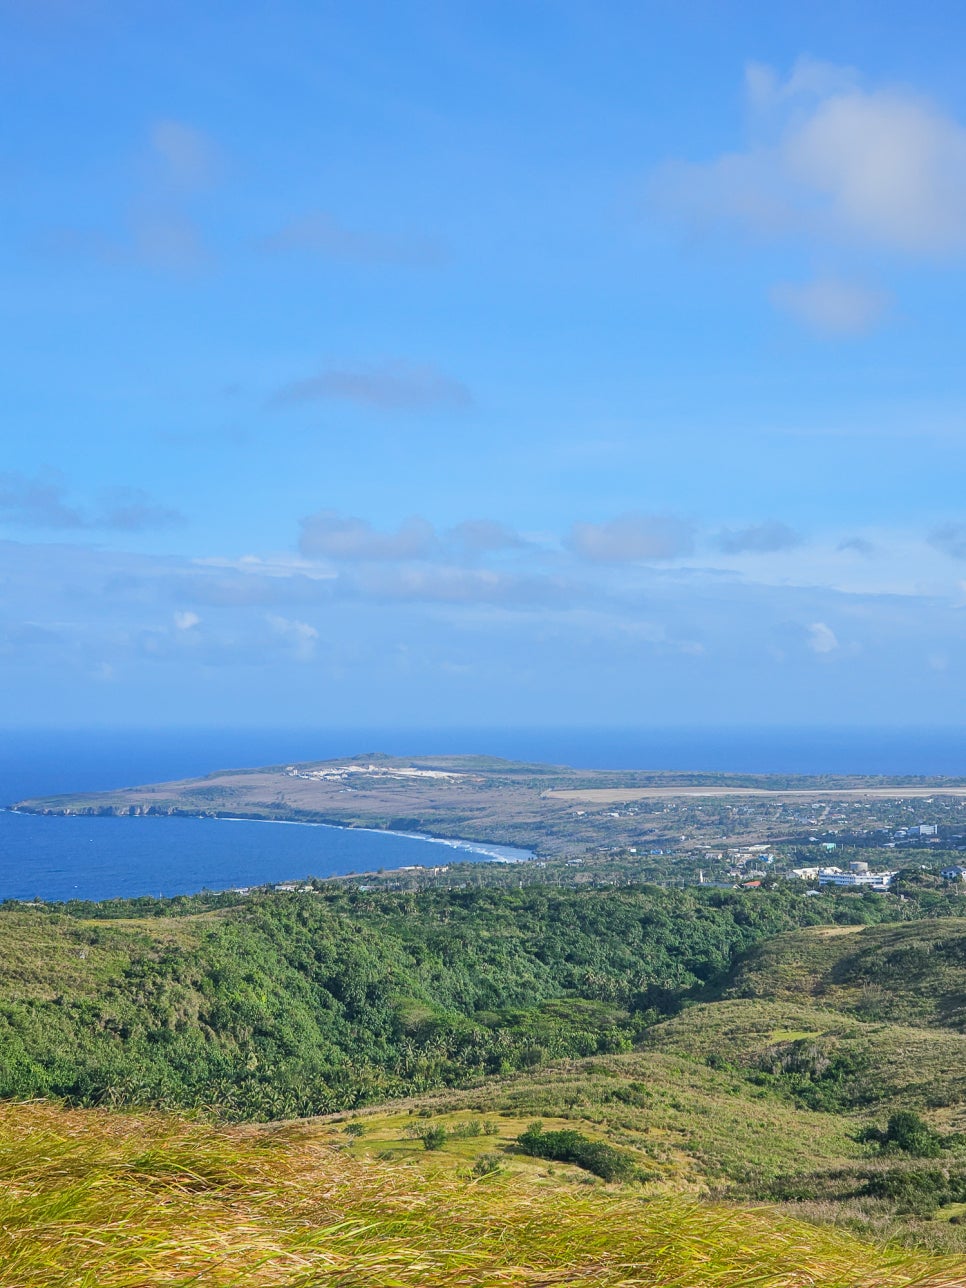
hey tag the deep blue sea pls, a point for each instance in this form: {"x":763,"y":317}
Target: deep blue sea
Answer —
{"x":54,"y":858}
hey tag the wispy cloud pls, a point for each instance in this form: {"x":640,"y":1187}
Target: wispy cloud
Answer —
{"x":831,"y":306}
{"x":632,"y":538}
{"x":42,"y":502}
{"x":159,"y":228}
{"x":187,"y":157}
{"x":857,"y":545}
{"x":37,"y":502}
{"x":331,"y":535}
{"x":821,"y":638}
{"x":301,"y":636}
{"x":321,"y":234}
{"x":428,"y":584}
{"x":950,"y":538}
{"x":482,"y":536}
{"x":386,"y":387}
{"x":758,"y":538}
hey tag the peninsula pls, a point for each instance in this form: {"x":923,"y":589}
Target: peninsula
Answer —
{"x":550,"y":809}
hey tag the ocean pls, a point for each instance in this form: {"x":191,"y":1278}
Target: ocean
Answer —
{"x":62,"y":858}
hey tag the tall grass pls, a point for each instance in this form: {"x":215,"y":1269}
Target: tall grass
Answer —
{"x":91,"y":1199}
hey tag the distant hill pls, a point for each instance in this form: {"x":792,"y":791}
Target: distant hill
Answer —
{"x":546,"y":807}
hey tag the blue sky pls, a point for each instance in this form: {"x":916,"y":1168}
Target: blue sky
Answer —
{"x":457,"y":364}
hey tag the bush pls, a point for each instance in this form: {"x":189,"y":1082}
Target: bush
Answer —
{"x":918,"y":1191}
{"x":907,"y":1133}
{"x":434,"y":1137}
{"x":468,"y":1130}
{"x":487,"y":1164}
{"x":569,"y":1146}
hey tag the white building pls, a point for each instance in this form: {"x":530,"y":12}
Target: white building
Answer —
{"x":868,"y":880}
{"x":953,"y":874}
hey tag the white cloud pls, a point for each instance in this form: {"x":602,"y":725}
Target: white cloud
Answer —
{"x":832,"y":306}
{"x":831,"y":161}
{"x":821,"y":638}
{"x":302,"y":637}
{"x":184,"y":621}
{"x":890,"y":166}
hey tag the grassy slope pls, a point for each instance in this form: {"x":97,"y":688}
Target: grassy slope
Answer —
{"x":899,"y":1065}
{"x":44,"y":955}
{"x":691,"y":1105}
{"x":122,"y":1202}
{"x":913,"y":972}
{"x":689,"y":1125}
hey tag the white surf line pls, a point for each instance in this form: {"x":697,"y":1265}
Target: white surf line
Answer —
{"x":499,"y":854}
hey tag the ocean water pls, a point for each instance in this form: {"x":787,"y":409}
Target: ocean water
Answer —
{"x":102,"y":858}
{"x":54,"y":858}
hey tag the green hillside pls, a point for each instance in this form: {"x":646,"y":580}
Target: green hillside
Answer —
{"x":681,"y":1046}
{"x":823,"y":1058}
{"x":912,"y":973}
{"x":297,"y":1004}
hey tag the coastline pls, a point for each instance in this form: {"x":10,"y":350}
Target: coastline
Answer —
{"x":92,"y":860}
{"x":495,"y":852}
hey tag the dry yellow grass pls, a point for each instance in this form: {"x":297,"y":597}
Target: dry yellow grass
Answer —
{"x":90,"y":1199}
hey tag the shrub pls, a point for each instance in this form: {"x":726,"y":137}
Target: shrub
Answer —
{"x":467,"y":1130}
{"x":918,"y":1193}
{"x":434,"y":1137}
{"x":569,"y":1146}
{"x":906,"y":1133}
{"x":487,"y":1164}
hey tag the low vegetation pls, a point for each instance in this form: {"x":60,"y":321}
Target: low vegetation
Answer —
{"x":503,"y":1051}
{"x":569,"y":1146}
{"x":90,"y":1197}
